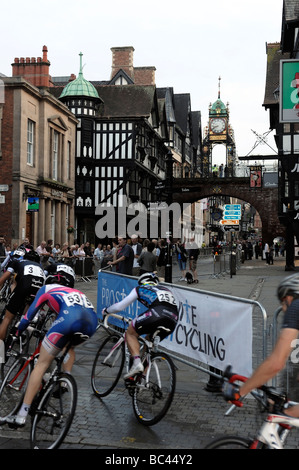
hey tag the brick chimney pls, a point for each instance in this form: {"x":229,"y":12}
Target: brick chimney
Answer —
{"x":122,"y":58}
{"x":35,"y":71}
{"x":144,"y":75}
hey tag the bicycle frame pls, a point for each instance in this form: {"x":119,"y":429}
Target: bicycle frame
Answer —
{"x":149,"y":345}
{"x":269,"y":432}
{"x":28,"y":361}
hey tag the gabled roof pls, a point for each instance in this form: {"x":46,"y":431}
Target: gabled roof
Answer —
{"x":274,"y":55}
{"x":128,"y":101}
{"x":182,"y":107}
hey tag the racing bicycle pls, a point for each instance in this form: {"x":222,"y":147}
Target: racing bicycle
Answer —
{"x":53,"y":409}
{"x":153,"y":390}
{"x":276,"y":426}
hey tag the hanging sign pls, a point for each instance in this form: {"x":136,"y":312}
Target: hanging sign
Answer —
{"x":289,"y":87}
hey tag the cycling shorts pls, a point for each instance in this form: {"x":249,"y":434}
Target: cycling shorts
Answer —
{"x":149,"y":322}
{"x":69,"y":321}
{"x":16,"y":301}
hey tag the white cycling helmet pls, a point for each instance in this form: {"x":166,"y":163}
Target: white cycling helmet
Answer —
{"x":150,"y":279}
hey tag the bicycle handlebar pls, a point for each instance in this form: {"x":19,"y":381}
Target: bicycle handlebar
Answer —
{"x":115,"y":315}
{"x":277,"y":397}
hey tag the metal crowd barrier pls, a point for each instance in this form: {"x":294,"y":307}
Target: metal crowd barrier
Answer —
{"x":259,"y":332}
{"x":83,"y":267}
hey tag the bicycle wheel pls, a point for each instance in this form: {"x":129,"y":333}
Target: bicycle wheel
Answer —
{"x":13,"y":388}
{"x":107,"y":366}
{"x":230,"y":442}
{"x":152,"y":400}
{"x":54,"y":413}
{"x":20,"y":346}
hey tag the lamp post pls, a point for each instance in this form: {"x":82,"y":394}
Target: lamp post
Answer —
{"x":169,"y":181}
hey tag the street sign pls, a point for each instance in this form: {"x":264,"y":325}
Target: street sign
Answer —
{"x":232,"y":207}
{"x":231,"y":217}
{"x":4,"y":187}
{"x":229,"y":222}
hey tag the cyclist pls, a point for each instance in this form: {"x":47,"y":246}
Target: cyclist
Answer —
{"x":75,"y":313}
{"x":29,"y":277}
{"x":162,"y":314}
{"x":288,"y":295}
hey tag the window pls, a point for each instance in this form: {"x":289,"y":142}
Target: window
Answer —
{"x":68,"y":161}
{"x":55,"y":156}
{"x":30,"y":142}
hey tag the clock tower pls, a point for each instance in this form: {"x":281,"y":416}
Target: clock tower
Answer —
{"x":218,"y":131}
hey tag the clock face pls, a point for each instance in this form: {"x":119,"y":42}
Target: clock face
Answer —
{"x":217,"y":125}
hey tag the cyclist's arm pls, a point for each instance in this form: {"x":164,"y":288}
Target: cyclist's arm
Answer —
{"x":4,"y":277}
{"x":274,"y":363}
{"x":123,"y":304}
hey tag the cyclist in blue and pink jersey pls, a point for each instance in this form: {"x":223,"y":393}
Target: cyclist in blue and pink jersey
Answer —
{"x":162,"y":315}
{"x":75,"y":313}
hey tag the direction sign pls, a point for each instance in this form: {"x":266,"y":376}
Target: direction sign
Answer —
{"x":232,"y":207}
{"x":231,"y":217}
{"x":229,"y":222}
{"x":237,"y":214}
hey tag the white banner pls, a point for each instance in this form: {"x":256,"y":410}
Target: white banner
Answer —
{"x":213,"y":330}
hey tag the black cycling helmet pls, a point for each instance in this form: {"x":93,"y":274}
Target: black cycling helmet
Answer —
{"x":288,"y":286}
{"x":19,"y":253}
{"x":150,"y":279}
{"x":32,"y":255}
{"x":63,"y":275}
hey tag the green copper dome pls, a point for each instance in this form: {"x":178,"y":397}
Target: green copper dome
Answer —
{"x":218,"y":107}
{"x":80,"y":86}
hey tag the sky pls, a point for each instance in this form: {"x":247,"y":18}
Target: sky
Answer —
{"x":190,"y":44}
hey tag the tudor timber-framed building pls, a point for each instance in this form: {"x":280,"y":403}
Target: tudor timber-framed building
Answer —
{"x":287,"y":133}
{"x":127,"y":128}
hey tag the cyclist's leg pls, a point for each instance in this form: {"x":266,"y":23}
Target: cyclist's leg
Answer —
{"x":35,"y":380}
{"x":5,"y":324}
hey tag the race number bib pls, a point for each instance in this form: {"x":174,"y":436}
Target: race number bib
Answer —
{"x":165,"y":296}
{"x":77,"y":298}
{"x":33,"y":270}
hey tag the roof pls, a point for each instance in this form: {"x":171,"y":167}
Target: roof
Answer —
{"x":127,"y":101}
{"x":274,"y":56}
{"x":80,"y":86}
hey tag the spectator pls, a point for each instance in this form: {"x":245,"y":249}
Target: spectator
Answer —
{"x":193,"y":252}
{"x":98,"y":257}
{"x":87,"y":249}
{"x":182,"y":259}
{"x":125,"y":257}
{"x":137,"y":248}
{"x":56,"y":250}
{"x":2,"y":248}
{"x":44,"y":254}
{"x":147,"y":260}
{"x":161,"y":259}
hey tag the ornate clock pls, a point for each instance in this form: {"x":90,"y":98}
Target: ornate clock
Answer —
{"x":217,"y":125}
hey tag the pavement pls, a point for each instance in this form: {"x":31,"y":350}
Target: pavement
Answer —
{"x":196,"y":415}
